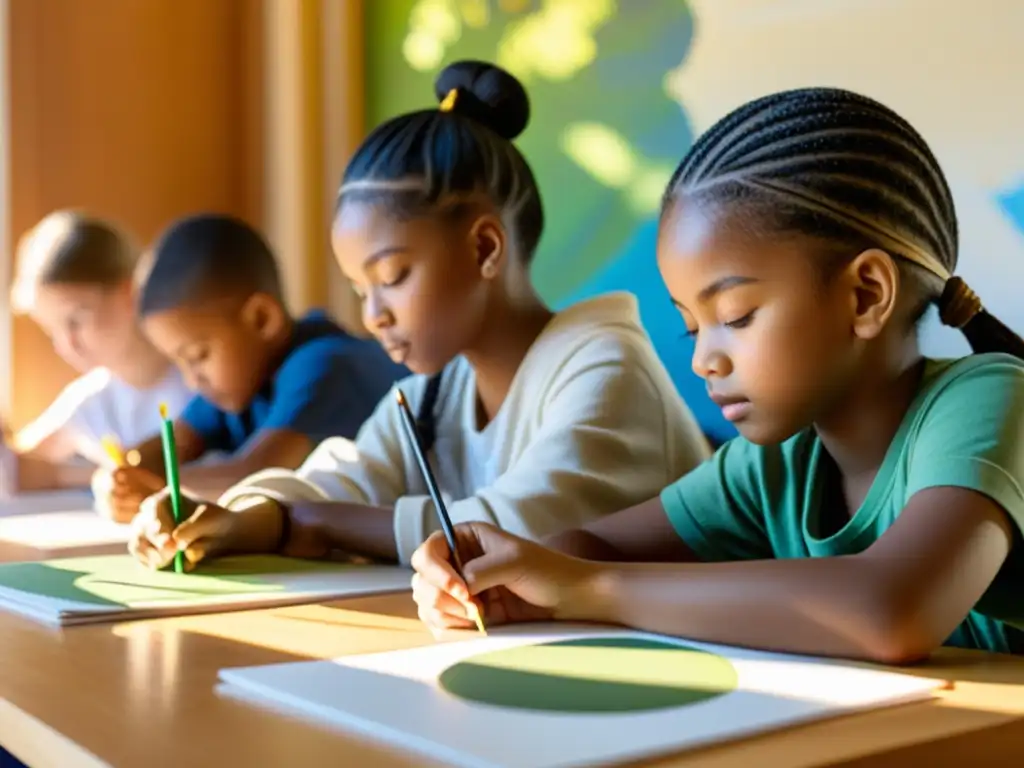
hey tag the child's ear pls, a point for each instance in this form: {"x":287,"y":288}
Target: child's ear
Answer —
{"x":264,"y":316}
{"x":488,"y":238}
{"x":875,"y":279}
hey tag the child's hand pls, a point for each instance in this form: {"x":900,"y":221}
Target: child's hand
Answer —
{"x":155,"y":540}
{"x":119,"y":492}
{"x":509,"y":578}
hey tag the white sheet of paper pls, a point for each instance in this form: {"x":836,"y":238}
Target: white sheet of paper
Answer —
{"x":62,"y":530}
{"x":395,"y":697}
{"x":45,"y":501}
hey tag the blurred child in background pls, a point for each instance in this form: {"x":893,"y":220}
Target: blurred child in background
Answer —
{"x":74,"y":278}
{"x":271,"y":386}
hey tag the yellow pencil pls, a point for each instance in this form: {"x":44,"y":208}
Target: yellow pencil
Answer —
{"x":113,"y":450}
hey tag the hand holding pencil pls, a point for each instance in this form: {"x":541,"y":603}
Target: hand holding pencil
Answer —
{"x":120,"y":491}
{"x":205,"y":530}
{"x":435,"y":494}
{"x":510,"y":578}
{"x":460,"y":568}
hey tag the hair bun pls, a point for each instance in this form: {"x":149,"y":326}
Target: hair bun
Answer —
{"x":487,"y":94}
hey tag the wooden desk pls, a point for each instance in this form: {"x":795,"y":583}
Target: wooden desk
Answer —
{"x":142,"y":694}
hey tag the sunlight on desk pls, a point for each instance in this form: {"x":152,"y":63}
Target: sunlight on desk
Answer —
{"x":985,"y":697}
{"x":153,"y":660}
{"x":311,"y":631}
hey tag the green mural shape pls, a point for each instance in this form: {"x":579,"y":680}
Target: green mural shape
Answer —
{"x":596,"y":73}
{"x":606,"y":675}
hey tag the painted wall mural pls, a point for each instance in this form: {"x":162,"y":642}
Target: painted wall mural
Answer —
{"x":619,"y":89}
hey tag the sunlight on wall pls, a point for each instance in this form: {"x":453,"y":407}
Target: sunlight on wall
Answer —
{"x":602,"y":152}
{"x":433,"y":26}
{"x":611,"y":160}
{"x":557,"y":41}
{"x":554,"y":42}
{"x":648,"y":187}
{"x":476,"y":13}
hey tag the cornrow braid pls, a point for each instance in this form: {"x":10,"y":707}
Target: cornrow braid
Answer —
{"x":842,"y":167}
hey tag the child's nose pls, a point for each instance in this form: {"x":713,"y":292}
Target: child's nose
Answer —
{"x":69,"y":347}
{"x":376,"y":313}
{"x":709,"y":359}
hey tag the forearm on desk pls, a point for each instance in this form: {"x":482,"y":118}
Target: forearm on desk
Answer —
{"x":317,"y":528}
{"x":584,"y":545}
{"x":822,"y":606}
{"x":209,"y":481}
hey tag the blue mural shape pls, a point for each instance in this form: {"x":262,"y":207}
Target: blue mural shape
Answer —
{"x":1012,"y":203}
{"x":635,"y":269}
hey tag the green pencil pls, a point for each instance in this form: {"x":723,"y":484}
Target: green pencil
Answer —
{"x":171,"y":467}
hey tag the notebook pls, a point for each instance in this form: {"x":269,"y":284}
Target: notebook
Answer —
{"x":536,"y":696}
{"x":87,"y":590}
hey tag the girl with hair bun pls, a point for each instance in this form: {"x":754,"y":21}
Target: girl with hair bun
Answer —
{"x":535,"y":421}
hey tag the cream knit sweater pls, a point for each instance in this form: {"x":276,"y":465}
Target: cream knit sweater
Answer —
{"x":592,"y":424}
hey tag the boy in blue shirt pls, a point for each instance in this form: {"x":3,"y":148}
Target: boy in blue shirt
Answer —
{"x":270,"y":387}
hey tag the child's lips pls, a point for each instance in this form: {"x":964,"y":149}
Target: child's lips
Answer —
{"x":733,"y":408}
{"x":736,"y":411}
{"x":397,"y":352}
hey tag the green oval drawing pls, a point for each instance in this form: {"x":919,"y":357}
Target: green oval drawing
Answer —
{"x":592,"y":675}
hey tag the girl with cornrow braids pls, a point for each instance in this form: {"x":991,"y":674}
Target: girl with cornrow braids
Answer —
{"x":534,"y":420}
{"x":872,"y":506}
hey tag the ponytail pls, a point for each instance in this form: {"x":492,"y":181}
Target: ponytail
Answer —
{"x":960,"y":307}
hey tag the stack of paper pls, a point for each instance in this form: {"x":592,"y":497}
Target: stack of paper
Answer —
{"x":117,"y":588}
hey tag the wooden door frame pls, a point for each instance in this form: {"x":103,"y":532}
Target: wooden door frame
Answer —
{"x":314,"y":118}
{"x":6,"y":241}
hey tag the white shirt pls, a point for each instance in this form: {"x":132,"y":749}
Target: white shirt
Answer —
{"x":592,"y":424}
{"x":98,"y":404}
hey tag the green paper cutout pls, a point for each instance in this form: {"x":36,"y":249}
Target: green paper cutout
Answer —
{"x":119,"y":580}
{"x":593,"y":675}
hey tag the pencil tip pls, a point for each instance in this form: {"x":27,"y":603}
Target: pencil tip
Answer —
{"x":400,"y":396}
{"x":163,"y":410}
{"x":474,"y":614}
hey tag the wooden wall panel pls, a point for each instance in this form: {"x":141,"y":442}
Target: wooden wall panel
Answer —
{"x":139,"y":110}
{"x":314,"y":120}
{"x":344,"y":63}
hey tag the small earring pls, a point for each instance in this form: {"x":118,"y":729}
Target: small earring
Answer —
{"x":488,"y":270}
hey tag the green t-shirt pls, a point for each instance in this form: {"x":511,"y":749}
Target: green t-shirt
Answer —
{"x":964,"y":428}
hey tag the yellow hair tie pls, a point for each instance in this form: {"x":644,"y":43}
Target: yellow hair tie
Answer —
{"x":448,"y":103}
{"x":958,"y":304}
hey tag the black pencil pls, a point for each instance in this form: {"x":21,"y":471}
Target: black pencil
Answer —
{"x":435,"y":492}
